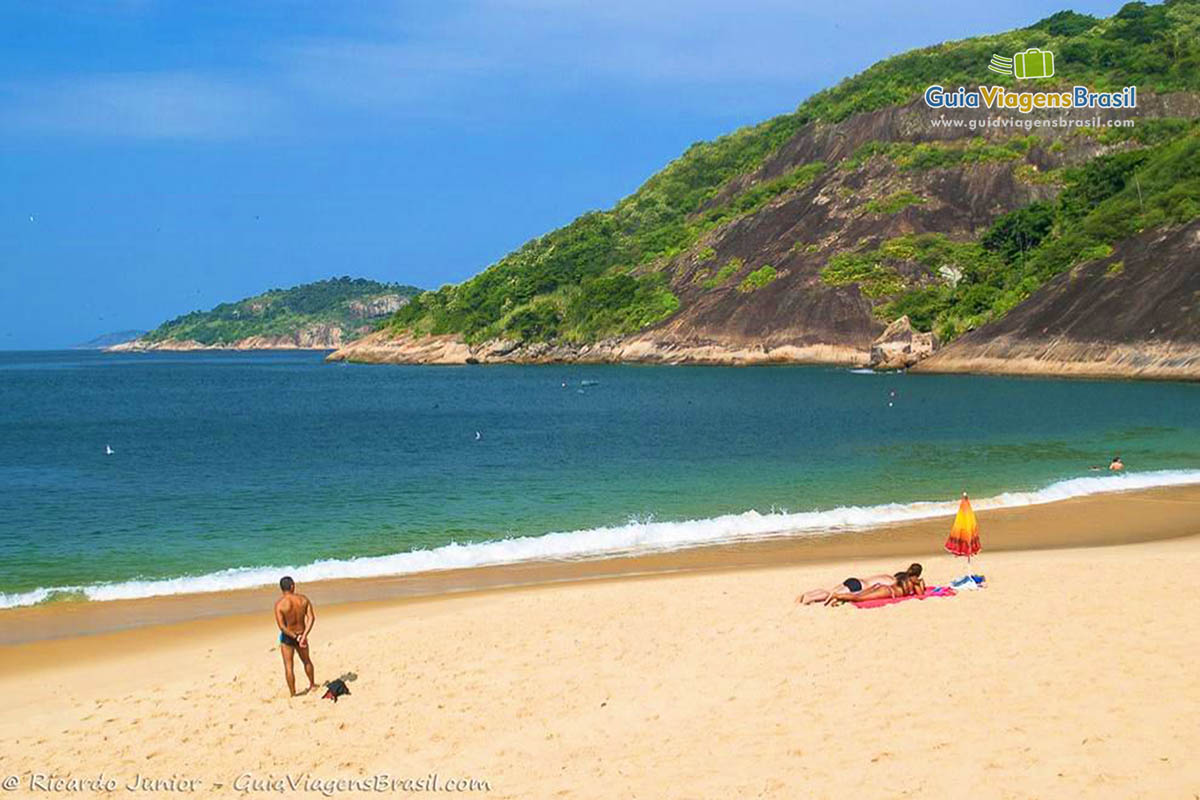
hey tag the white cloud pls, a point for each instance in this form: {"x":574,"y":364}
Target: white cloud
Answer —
{"x":551,"y":43}
{"x":493,"y":52}
{"x":485,"y":59}
{"x":153,"y":105}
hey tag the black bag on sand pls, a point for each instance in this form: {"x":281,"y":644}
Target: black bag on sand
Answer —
{"x":335,"y":689}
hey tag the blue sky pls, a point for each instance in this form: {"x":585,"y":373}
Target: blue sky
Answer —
{"x":158,"y":157}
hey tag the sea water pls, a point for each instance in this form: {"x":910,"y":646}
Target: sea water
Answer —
{"x":228,"y":469}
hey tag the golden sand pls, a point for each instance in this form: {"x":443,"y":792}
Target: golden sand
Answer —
{"x":1073,"y":675}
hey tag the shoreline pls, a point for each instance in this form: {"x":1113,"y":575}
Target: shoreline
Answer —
{"x":196,"y":347}
{"x":1115,"y":363}
{"x":1143,"y":361}
{"x":1053,"y":360}
{"x":449,"y":350}
{"x":697,"y":684}
{"x":1112,"y":518}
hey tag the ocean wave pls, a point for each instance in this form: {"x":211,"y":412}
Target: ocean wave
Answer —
{"x":633,"y":537}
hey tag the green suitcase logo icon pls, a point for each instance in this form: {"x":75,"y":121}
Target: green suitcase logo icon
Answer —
{"x":1032,"y":63}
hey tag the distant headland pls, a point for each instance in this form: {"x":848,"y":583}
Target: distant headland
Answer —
{"x":314,"y":316}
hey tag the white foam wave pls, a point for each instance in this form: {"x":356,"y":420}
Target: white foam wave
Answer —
{"x":633,"y":537}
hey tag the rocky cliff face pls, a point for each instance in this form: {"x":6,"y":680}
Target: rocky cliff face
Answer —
{"x":382,"y":348}
{"x":374,"y":307}
{"x":313,"y":337}
{"x":1134,"y":314}
{"x":794,"y":314}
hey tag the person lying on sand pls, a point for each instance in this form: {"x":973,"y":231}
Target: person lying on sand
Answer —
{"x":905,"y":584}
{"x":295,"y":616}
{"x":852,"y":585}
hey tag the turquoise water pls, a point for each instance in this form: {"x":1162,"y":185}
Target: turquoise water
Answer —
{"x":225,"y":463}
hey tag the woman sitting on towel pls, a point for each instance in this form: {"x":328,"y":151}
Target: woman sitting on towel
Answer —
{"x":905,"y":585}
{"x":853,"y":585}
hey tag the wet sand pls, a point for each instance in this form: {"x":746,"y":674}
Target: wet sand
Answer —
{"x":1106,"y":519}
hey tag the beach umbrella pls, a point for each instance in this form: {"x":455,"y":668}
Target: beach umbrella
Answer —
{"x":964,"y":534}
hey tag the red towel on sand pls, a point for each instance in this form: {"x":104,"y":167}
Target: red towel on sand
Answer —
{"x":934,"y":591}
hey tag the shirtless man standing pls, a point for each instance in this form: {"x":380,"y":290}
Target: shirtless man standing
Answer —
{"x":295,"y":617}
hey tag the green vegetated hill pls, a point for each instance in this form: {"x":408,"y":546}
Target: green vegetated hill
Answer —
{"x":324,"y":313}
{"x":1153,"y":181}
{"x":823,"y":225}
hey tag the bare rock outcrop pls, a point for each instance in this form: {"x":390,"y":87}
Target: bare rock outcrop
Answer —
{"x":900,"y":346}
{"x":385,"y":348}
{"x":1134,"y":314}
{"x":375,"y":307}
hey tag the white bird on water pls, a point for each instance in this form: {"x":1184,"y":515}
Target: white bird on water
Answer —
{"x":478,"y":436}
{"x":108,"y":451}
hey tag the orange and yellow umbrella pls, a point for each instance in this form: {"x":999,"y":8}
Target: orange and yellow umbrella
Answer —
{"x":964,"y":534}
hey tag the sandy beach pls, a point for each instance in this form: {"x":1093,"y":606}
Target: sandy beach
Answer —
{"x":1072,"y":675}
